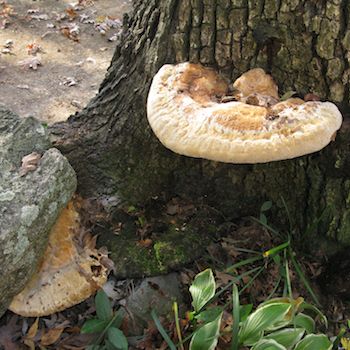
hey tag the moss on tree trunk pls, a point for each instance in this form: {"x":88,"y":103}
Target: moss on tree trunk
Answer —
{"x":303,"y":43}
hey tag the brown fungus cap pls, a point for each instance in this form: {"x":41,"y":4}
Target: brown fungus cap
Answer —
{"x":184,"y":112}
{"x":258,"y":82}
{"x":67,"y":275}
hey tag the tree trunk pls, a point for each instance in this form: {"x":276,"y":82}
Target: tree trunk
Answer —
{"x":304,"y":45}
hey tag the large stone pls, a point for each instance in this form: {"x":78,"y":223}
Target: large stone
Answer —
{"x":29,"y":204}
{"x":155,"y":293}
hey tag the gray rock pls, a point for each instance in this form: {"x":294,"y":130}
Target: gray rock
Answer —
{"x":154,"y":293}
{"x":29,"y":204}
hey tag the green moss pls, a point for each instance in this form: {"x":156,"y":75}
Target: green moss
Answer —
{"x":169,"y":250}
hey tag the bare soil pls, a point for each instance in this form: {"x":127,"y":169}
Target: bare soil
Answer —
{"x":72,"y":65}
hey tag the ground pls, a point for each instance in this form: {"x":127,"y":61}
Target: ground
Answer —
{"x":72,"y":65}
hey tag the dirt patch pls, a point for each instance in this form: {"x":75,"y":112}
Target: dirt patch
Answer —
{"x":76,"y":46}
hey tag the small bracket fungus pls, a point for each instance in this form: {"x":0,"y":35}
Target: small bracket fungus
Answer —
{"x":68,"y":274}
{"x":192,"y":112}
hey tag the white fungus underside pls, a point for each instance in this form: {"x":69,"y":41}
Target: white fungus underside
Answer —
{"x":198,"y":134}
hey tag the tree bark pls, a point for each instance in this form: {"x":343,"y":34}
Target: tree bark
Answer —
{"x":304,"y":45}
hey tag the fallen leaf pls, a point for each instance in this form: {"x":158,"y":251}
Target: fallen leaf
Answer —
{"x":71,"y":31}
{"x":69,"y":81}
{"x":39,"y":17}
{"x":146,"y":243}
{"x":31,"y":62}
{"x":33,"y":48}
{"x":71,"y":13}
{"x":51,"y":336}
{"x":33,"y":330}
{"x":29,"y":163}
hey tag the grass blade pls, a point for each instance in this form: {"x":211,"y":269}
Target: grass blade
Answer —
{"x":303,"y":278}
{"x":271,"y":229}
{"x":162,"y":331}
{"x":243,"y":263}
{"x":235,"y":311}
{"x":177,"y":325}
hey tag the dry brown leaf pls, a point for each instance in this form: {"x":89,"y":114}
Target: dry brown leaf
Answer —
{"x":51,"y":336}
{"x":6,"y":10}
{"x":30,"y":343}
{"x":145,"y":243}
{"x":223,"y":278}
{"x":29,"y":163}
{"x":33,"y":48}
{"x":33,"y":330}
{"x":71,"y":31}
{"x":72,"y":14}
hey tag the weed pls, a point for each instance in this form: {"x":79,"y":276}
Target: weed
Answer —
{"x":106,"y":326}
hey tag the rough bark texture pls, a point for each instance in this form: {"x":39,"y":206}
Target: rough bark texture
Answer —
{"x":303,"y":44}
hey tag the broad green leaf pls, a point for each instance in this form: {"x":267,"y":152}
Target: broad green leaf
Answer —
{"x":103,"y":306}
{"x":202,"y":289}
{"x":268,"y":344}
{"x":266,"y":206}
{"x":95,"y":347}
{"x":209,"y":314}
{"x":94,"y":325}
{"x":118,"y":318}
{"x":261,"y":319}
{"x":206,"y":337}
{"x":306,"y":306}
{"x":117,"y":338}
{"x":287,"y":337}
{"x":109,"y":345}
{"x":244,"y":311}
{"x":304,"y":321}
{"x":313,"y":342}
{"x":263,"y":218}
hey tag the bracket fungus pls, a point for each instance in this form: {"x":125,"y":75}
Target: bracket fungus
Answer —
{"x":70,"y":271}
{"x":193,"y":112}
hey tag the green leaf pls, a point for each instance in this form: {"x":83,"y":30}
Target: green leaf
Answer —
{"x":117,"y":338}
{"x":263,"y":218}
{"x":268,"y":344}
{"x":304,"y":321}
{"x":313,"y":342}
{"x":318,"y":312}
{"x":303,"y":278}
{"x":287,"y":337}
{"x":244,"y":311}
{"x":261,"y":319}
{"x":206,"y":337}
{"x":94,"y":325}
{"x":103,"y":306}
{"x":95,"y":347}
{"x":118,"y":318}
{"x":266,"y":206}
{"x":109,"y":345}
{"x":209,"y":314}
{"x":202,"y":289}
